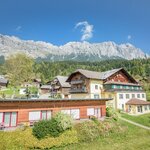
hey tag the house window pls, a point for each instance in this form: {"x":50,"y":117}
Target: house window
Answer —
{"x":39,"y":115}
{"x":96,"y":87}
{"x":96,"y":96}
{"x":127,"y":96}
{"x":143,"y":95}
{"x":133,"y":95}
{"x":120,"y":96}
{"x":123,"y":107}
{"x":109,"y":96}
{"x":145,"y":107}
{"x":113,"y":86}
{"x":140,"y":108}
{"x":138,"y":95}
{"x":90,"y":111}
{"x":129,"y":108}
{"x":75,"y":113}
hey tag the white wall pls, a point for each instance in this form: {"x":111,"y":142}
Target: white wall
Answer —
{"x":95,"y":91}
{"x":124,"y":100}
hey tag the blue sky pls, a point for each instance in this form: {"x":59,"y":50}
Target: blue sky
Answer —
{"x":62,"y":21}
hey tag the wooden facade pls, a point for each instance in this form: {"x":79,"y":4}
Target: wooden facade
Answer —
{"x":121,"y":76}
{"x":22,"y":108}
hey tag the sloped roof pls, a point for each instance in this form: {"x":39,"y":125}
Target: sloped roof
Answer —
{"x":100,"y":75}
{"x":106,"y":74}
{"x":96,"y":75}
{"x":137,"y":102}
{"x":46,"y":86}
{"x":3,"y":80}
{"x":62,"y":81}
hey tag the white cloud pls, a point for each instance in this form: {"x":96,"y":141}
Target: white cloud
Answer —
{"x":129,"y":37}
{"x":87,"y":30}
{"x":18,"y":28}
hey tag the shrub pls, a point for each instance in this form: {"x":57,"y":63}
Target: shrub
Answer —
{"x":64,"y":121}
{"x":110,"y":112}
{"x":54,"y":127}
{"x":59,"y":123}
{"x":94,"y":119}
{"x":87,"y":131}
{"x":41,"y":129}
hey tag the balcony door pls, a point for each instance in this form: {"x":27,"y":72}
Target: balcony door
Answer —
{"x":10,"y":119}
{"x":97,"y":112}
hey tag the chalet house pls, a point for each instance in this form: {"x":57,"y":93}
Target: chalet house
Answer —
{"x":3,"y":82}
{"x":85,"y":84}
{"x":117,"y":84}
{"x":60,"y":88}
{"x":15,"y":112}
{"x":37,"y":83}
{"x":45,"y":89}
{"x":33,"y":83}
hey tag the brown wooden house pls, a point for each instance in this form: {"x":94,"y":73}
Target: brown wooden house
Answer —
{"x":60,"y":88}
{"x":16,"y":112}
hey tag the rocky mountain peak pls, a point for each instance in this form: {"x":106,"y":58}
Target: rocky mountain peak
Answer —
{"x":80,"y":51}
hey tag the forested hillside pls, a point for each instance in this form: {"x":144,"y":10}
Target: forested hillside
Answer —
{"x":139,"y":68}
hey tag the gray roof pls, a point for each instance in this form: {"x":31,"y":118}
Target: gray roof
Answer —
{"x":3,"y":80}
{"x":97,"y":75}
{"x":62,"y":81}
{"x":49,"y":100}
{"x":46,"y":87}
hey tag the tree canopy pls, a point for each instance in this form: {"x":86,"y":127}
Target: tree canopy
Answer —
{"x":19,"y":68}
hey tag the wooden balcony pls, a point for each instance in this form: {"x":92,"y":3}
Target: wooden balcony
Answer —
{"x":78,"y":90}
{"x":77,"y":81}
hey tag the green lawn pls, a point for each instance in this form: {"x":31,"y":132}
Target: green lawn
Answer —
{"x":142,"y":119}
{"x":134,"y":138}
{"x":148,"y":96}
{"x":128,"y":137}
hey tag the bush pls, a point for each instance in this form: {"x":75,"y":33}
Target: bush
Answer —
{"x":54,"y":127}
{"x":87,"y":131}
{"x":41,"y":129}
{"x":110,"y":112}
{"x":64,"y":121}
{"x":95,"y":120}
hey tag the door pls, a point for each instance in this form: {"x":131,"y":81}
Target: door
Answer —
{"x":141,"y":109}
{"x":49,"y":114}
{"x":75,"y":113}
{"x":1,"y":118}
{"x":7,"y":119}
{"x":97,"y":112}
{"x":43,"y":115}
{"x":13,"y":119}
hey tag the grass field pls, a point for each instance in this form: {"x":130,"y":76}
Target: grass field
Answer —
{"x":129,"y":137}
{"x":148,"y":96}
{"x":134,"y":138}
{"x":142,"y":119}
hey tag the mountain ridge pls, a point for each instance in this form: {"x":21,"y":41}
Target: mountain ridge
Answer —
{"x":84,"y":51}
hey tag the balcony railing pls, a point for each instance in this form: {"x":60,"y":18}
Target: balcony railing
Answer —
{"x":78,"y":90}
{"x":77,"y":81}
